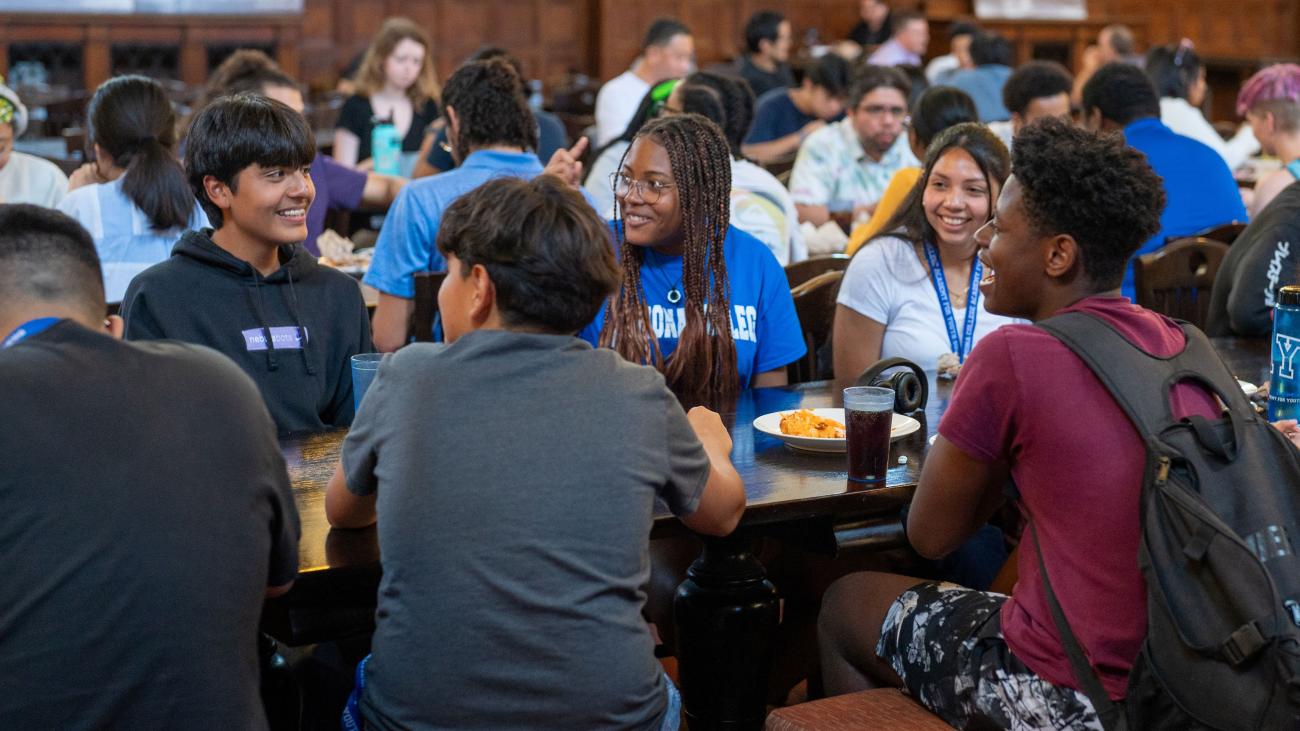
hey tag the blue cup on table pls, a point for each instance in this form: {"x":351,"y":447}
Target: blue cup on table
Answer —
{"x":364,"y":368}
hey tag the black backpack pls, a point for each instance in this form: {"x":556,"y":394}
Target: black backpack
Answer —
{"x":1220,"y":517}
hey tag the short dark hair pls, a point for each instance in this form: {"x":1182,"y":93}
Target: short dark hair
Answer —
{"x":237,"y":131}
{"x":662,"y":31}
{"x":830,"y":72}
{"x":1035,"y":80}
{"x":1122,"y":92}
{"x":47,"y":256}
{"x":737,"y":105}
{"x":765,"y":25}
{"x":703,"y":100}
{"x":898,"y":20}
{"x":1093,"y":187}
{"x":962,"y":28}
{"x":487,"y":53}
{"x":989,"y":47}
{"x":550,"y":257}
{"x":938,"y":108}
{"x":246,"y":70}
{"x":490,"y":105}
{"x":870,"y":78}
{"x":1121,"y":38}
{"x":1173,"y":69}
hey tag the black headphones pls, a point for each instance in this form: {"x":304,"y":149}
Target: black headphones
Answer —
{"x":911,"y":388}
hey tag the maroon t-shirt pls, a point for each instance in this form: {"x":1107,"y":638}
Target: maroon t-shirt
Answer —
{"x":1024,"y":398}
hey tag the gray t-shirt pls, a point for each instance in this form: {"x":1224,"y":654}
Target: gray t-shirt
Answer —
{"x":516,"y":477}
{"x":146,"y":508}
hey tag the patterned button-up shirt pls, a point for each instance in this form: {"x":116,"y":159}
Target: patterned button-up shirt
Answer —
{"x":832,"y":169}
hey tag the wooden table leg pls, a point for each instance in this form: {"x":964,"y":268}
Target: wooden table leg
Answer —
{"x":726,"y":613}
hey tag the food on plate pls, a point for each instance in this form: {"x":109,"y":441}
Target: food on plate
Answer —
{"x":804,"y":423}
{"x":949,"y":365}
{"x":337,"y":251}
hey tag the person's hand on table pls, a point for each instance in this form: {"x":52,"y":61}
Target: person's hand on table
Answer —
{"x":723,"y":499}
{"x":862,"y":213}
{"x":567,"y":164}
{"x":811,"y":127}
{"x":1290,"y":428}
{"x":711,"y":431}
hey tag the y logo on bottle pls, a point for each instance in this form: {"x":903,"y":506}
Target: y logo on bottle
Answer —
{"x":1288,"y":347}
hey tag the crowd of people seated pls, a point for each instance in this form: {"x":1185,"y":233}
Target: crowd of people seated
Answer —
{"x":626,"y":285}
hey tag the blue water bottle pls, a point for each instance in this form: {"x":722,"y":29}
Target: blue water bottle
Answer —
{"x":386,"y":148}
{"x":1284,"y":387}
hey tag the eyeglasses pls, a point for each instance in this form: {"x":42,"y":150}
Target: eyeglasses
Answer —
{"x":649,"y":191}
{"x":880,"y":110}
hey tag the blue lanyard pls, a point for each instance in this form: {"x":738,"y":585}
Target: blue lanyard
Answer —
{"x":28,"y":329}
{"x":961,"y":344}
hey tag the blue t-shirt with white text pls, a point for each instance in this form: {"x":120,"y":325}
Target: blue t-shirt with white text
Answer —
{"x":764,"y":325}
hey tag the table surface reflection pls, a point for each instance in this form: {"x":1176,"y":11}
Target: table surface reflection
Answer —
{"x":782,"y":485}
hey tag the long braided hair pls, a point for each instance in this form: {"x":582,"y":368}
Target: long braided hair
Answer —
{"x":704,"y":363}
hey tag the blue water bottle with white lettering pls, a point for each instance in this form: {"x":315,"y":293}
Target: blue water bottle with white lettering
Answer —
{"x":1284,"y":387}
{"x":386,"y":148}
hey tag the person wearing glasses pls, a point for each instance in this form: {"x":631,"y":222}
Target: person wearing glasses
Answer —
{"x":703,"y":302}
{"x":492,"y":133}
{"x":913,"y":292}
{"x":937,"y":109}
{"x":609,"y":156}
{"x":842,"y":169}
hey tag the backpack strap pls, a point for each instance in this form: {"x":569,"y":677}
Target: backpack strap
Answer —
{"x":1130,"y":374}
{"x":1111,"y":715}
{"x":1133,"y":376}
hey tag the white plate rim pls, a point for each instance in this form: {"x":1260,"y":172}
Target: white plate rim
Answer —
{"x":770,"y":423}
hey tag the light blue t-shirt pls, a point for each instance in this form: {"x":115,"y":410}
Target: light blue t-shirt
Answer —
{"x":764,"y":325}
{"x":124,"y":238}
{"x":407,"y":241}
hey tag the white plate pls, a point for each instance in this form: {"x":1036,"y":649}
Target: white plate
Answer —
{"x":1247,"y":387}
{"x":771,"y":424}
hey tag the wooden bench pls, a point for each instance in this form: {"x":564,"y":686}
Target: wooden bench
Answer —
{"x":870,"y":710}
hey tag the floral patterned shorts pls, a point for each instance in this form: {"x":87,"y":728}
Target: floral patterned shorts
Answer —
{"x":945,"y":642}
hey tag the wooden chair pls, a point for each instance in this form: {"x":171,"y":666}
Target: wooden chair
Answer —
{"x":802,"y":271}
{"x":1225,"y":232}
{"x":882,"y":709}
{"x":1176,"y":280}
{"x":426,"y":304}
{"x":814,"y":302}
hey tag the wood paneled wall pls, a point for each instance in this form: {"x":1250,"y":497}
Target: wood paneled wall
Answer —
{"x":550,"y":37}
{"x":96,"y":35}
{"x":600,"y":37}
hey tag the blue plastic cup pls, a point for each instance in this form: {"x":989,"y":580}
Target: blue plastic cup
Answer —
{"x":364,"y":368}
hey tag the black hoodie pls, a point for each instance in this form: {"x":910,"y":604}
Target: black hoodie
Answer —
{"x":313,"y":316}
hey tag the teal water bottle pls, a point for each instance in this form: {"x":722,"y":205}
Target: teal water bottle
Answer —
{"x":1284,"y":386}
{"x":386,"y":148}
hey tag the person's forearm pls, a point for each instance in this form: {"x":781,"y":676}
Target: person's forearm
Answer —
{"x":391,"y":322}
{"x":773,"y":150}
{"x":816,"y":215}
{"x":380,"y":190}
{"x":342,"y":508}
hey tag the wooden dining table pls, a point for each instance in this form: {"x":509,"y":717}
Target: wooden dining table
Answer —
{"x":790,"y":494}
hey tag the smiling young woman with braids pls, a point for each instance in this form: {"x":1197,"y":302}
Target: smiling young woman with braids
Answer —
{"x":703,"y":302}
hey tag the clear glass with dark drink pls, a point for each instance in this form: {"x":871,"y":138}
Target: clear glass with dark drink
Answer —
{"x":868,"y":416}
